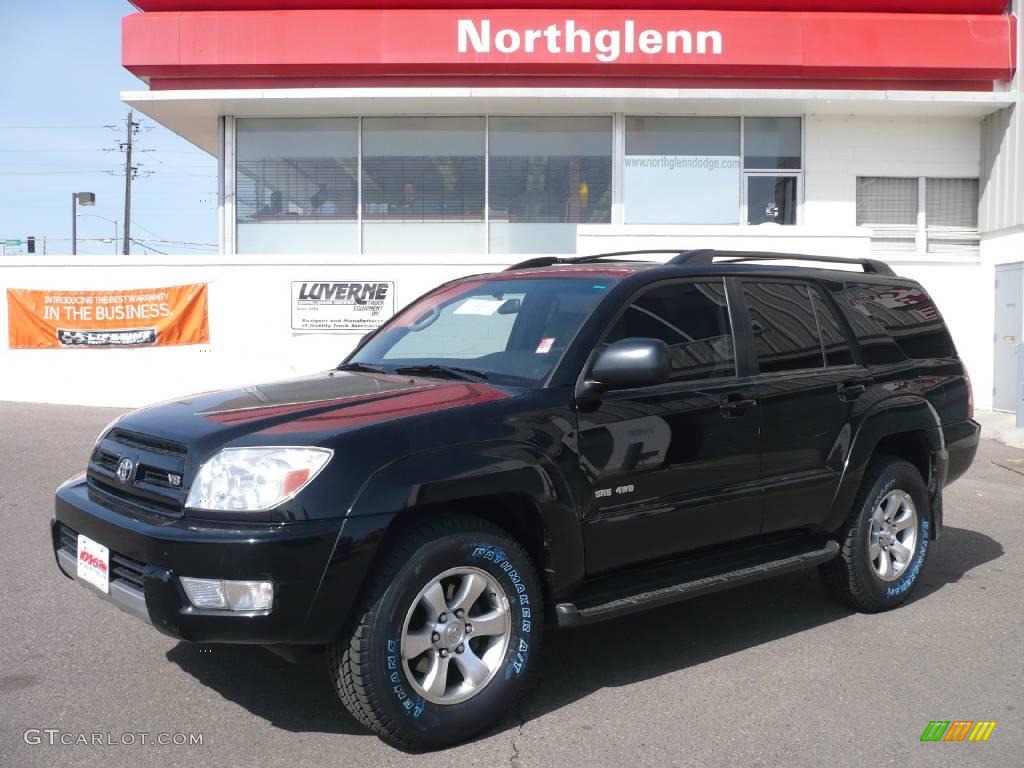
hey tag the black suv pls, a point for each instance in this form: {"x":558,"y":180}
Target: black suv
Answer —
{"x":560,"y":443}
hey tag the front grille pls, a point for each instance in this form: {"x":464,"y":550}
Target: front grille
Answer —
{"x":117,"y":498}
{"x":156,"y":483}
{"x":121,"y":567}
{"x":159,"y":477}
{"x":147,"y":443}
{"x":105,"y":459}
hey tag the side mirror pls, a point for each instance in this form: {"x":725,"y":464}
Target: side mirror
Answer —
{"x":631,"y":363}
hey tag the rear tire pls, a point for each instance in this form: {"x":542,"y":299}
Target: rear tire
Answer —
{"x":885,"y":541}
{"x":425,"y":664}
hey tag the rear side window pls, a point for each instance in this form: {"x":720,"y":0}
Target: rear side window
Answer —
{"x":894,"y":323}
{"x":833,"y":340}
{"x":692,"y":319}
{"x":784,"y":327}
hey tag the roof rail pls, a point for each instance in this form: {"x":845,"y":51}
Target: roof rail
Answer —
{"x":870,"y":266}
{"x":547,"y":261}
{"x":540,"y":261}
{"x":705,"y":257}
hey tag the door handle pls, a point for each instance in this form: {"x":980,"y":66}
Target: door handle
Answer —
{"x":848,"y":392}
{"x":734,"y":405}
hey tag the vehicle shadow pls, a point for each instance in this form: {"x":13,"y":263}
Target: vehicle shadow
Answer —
{"x":691,"y":633}
{"x":578,"y":662}
{"x":294,"y":697}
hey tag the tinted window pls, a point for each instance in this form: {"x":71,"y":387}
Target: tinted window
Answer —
{"x":693,"y":319}
{"x":785,"y":329}
{"x":837,"y":349}
{"x":547,"y":175}
{"x":897,"y":322}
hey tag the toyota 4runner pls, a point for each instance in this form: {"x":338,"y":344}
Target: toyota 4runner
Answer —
{"x":564,"y":442}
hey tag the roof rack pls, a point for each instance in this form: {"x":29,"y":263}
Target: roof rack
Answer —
{"x":548,"y":261}
{"x":705,"y":257}
{"x":701,"y":258}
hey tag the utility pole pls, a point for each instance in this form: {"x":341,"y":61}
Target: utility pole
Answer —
{"x":129,"y":175}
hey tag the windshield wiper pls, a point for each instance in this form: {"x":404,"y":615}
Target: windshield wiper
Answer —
{"x":447,"y":371}
{"x":361,"y":368}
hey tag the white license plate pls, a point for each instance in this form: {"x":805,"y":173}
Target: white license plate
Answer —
{"x":94,"y":563}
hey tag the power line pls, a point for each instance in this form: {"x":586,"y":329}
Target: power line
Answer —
{"x":50,"y":127}
{"x":147,"y":229}
{"x":148,"y":248}
{"x":51,"y":173}
{"x":197,"y":153}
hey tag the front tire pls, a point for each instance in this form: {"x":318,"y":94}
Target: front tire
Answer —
{"x":885,"y":541}
{"x":447,"y":636}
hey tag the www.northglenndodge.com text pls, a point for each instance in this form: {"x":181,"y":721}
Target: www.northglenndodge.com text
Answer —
{"x":606,"y":45}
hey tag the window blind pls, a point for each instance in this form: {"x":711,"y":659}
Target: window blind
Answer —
{"x":888,"y":207}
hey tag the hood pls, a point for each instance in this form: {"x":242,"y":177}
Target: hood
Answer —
{"x":320,"y":405}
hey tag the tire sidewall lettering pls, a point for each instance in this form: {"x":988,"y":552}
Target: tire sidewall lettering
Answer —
{"x":906,"y":582}
{"x":520,"y":641}
{"x":898,"y":590}
{"x":413,"y":707}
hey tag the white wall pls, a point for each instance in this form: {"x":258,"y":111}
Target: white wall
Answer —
{"x":250,"y":324}
{"x":838,"y":149}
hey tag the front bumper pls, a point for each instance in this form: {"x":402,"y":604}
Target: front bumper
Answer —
{"x":148,"y":553}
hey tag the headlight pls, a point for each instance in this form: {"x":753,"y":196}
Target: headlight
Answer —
{"x":254,"y":479}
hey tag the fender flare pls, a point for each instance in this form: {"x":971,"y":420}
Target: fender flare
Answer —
{"x":465,"y":471}
{"x":894,"y":415}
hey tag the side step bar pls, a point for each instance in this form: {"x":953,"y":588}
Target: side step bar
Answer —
{"x":571,"y":615}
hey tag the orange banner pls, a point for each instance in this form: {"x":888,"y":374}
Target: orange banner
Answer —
{"x":141,"y":317}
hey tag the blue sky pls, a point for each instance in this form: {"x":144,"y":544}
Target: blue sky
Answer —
{"x":60,"y":80}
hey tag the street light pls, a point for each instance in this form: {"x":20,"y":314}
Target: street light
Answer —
{"x":112,"y":221}
{"x":83,"y":198}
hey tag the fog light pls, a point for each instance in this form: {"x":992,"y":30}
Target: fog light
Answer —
{"x":230,"y":595}
{"x":249,"y":595}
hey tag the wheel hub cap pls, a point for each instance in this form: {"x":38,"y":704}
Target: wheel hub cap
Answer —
{"x":453,"y":634}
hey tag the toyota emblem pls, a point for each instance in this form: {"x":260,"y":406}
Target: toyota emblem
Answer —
{"x":125,"y":468}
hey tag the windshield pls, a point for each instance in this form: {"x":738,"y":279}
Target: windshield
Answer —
{"x":511,"y":331}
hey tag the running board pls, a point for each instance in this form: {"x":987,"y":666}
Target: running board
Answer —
{"x":589,"y":611}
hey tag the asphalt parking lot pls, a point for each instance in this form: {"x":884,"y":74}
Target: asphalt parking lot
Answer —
{"x":773,"y":674}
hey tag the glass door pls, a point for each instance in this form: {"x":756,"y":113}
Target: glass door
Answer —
{"x":772,"y":198}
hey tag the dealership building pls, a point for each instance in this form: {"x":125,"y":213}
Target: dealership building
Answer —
{"x":406,"y":142}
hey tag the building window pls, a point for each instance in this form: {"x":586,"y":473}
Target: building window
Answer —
{"x":682,"y":170}
{"x":772,"y":143}
{"x":918,"y":215}
{"x":951,"y":216}
{"x":509,"y":184}
{"x":546,"y":176}
{"x":888,"y":207}
{"x":423,"y":185}
{"x":713,"y":170}
{"x":772,"y":161}
{"x":296,"y":185}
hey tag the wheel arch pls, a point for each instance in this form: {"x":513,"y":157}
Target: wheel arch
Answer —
{"x":513,"y":485}
{"x":906,"y":427}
